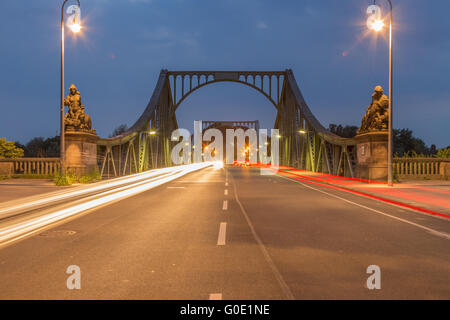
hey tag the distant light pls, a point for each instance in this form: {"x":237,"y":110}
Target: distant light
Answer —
{"x":278,"y":136}
{"x":218,"y":165}
{"x":302,"y":132}
{"x":152,"y":133}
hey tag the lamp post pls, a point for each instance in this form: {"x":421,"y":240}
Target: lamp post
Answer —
{"x":376,"y":23}
{"x":75,"y":27}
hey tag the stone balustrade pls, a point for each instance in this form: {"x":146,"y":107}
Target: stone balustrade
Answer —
{"x":26,"y":166}
{"x":431,"y":168}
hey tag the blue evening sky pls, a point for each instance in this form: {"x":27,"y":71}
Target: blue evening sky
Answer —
{"x":125,"y":43}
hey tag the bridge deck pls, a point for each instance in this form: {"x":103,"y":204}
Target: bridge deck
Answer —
{"x":237,"y":234}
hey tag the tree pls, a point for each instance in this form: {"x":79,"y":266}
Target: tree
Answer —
{"x":433,"y":149}
{"x":35,"y":148}
{"x":405,"y":142}
{"x":346,"y":132}
{"x":51,"y":147}
{"x":40,"y":148}
{"x":9,"y":150}
{"x":119,"y":130}
{"x":443,"y":153}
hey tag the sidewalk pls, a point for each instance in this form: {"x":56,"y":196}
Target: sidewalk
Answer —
{"x":12,"y":189}
{"x":429,"y":195}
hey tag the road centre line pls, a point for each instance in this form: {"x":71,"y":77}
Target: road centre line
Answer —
{"x":222,"y":234}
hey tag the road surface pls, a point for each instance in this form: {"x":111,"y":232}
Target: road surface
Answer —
{"x":235,"y":234}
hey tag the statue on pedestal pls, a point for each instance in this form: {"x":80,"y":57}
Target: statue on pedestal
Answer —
{"x":76,"y":119}
{"x":377,"y":116}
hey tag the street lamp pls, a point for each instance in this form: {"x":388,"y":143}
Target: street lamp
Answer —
{"x":376,"y":24}
{"x":74,"y":21}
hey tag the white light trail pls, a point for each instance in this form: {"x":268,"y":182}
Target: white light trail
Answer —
{"x":12,"y":207}
{"x":22,"y":229}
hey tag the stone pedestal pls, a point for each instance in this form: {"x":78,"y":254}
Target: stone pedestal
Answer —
{"x":81,"y":152}
{"x":372,"y":156}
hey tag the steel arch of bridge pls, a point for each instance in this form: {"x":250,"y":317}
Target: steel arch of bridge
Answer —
{"x":315,"y":149}
{"x":253,"y":79}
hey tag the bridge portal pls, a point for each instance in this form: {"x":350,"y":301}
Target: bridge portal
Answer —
{"x":305,"y":143}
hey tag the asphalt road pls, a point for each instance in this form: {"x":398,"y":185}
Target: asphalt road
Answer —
{"x":255,"y":237}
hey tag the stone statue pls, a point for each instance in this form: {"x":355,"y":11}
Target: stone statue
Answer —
{"x":377,"y":116}
{"x":76,"y":119}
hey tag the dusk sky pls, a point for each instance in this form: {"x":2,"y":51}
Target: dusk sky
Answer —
{"x":124,"y":44}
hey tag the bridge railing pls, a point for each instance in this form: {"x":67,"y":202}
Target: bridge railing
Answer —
{"x":420,"y":168}
{"x":30,"y":166}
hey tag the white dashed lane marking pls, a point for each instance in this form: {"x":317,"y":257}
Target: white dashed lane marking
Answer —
{"x":222,"y":234}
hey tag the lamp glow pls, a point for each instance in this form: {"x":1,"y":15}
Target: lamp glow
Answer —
{"x":377,"y":25}
{"x":76,"y":27}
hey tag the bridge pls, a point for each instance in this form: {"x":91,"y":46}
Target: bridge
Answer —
{"x":311,"y":229}
{"x":316,"y":149}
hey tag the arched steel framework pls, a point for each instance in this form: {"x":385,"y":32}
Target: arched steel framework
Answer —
{"x":305,"y":143}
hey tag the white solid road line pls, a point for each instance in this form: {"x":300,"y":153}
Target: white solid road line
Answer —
{"x":225,"y":192}
{"x":222,"y":234}
{"x":429,"y":230}
{"x":225,"y":205}
{"x":215,"y":296}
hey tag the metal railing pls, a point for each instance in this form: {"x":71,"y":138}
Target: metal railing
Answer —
{"x":36,"y":166}
{"x":432,"y":168}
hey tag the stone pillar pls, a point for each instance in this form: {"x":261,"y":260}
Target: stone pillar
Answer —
{"x":372,"y":156}
{"x":444,"y":169}
{"x":6,"y":168}
{"x":81,"y":152}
